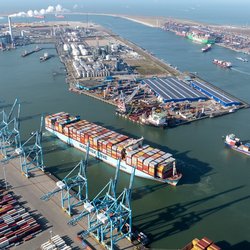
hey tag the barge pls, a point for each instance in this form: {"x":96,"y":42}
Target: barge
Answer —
{"x":111,"y":147}
{"x":27,"y":53}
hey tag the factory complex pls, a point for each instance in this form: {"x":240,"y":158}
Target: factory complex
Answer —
{"x":107,"y":67}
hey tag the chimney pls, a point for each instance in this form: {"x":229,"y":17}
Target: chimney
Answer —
{"x":10,"y":29}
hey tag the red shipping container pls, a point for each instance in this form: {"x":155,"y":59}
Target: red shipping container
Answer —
{"x":145,"y":169}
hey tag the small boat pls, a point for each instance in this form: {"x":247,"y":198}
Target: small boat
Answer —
{"x":241,"y":59}
{"x":206,"y":48}
{"x":236,"y":144}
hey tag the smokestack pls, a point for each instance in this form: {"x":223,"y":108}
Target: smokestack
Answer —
{"x":10,"y":29}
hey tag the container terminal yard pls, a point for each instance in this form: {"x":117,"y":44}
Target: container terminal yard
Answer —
{"x":59,"y":213}
{"x":65,"y":208}
{"x":102,"y":221}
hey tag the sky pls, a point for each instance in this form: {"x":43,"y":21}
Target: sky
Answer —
{"x":22,"y":5}
{"x":216,"y":11}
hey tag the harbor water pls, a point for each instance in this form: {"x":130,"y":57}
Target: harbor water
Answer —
{"x":212,"y":199}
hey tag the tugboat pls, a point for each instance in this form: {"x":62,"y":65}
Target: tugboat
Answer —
{"x":157,"y":119}
{"x":45,"y":57}
{"x":242,"y":59}
{"x":137,"y":235}
{"x":206,"y":48}
{"x":236,"y":144}
{"x":223,"y":64}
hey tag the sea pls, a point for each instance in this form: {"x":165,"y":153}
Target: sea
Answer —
{"x":213,"y":197}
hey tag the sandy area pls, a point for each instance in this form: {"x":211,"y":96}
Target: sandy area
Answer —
{"x":159,"y":21}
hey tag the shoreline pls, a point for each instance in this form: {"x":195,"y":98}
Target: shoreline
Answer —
{"x":138,"y":19}
{"x":159,"y":21}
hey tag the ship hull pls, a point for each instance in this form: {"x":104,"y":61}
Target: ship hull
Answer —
{"x":200,"y":40}
{"x":111,"y":161}
{"x":237,"y":149}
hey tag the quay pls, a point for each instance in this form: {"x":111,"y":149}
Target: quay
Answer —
{"x":31,"y":190}
{"x":157,"y":94}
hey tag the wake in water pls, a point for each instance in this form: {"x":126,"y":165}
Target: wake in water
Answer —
{"x":240,"y":71}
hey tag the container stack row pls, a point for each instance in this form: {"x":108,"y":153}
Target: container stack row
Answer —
{"x":147,"y":159}
{"x":16,"y":224}
{"x":55,"y":243}
{"x":204,"y":244}
{"x":151,"y":161}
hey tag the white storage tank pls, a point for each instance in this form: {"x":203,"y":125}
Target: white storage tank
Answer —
{"x":66,"y":47}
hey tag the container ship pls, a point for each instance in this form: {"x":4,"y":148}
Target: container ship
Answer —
{"x":206,"y":48}
{"x":223,"y":64}
{"x":236,"y":144}
{"x":200,"y":38}
{"x":203,"y":244}
{"x":110,"y":147}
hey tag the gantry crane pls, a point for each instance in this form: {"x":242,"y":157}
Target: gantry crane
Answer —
{"x":105,"y":198}
{"x":70,"y":198}
{"x":31,"y":153}
{"x":108,"y":214}
{"x":9,"y":132}
{"x":116,"y":217}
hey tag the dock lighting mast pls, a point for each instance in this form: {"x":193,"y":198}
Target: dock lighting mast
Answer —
{"x":31,"y":153}
{"x":9,"y":131}
{"x":69,"y":198}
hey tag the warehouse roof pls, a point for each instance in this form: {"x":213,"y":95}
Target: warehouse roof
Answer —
{"x":173,"y":89}
{"x":214,"y":93}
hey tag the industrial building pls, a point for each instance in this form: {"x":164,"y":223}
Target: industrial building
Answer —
{"x":171,"y":89}
{"x":5,"y":40}
{"x":214,"y":93}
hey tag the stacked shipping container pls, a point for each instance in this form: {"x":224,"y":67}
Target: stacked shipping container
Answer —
{"x":203,"y":244}
{"x":15,"y":223}
{"x":55,"y":242}
{"x":149,"y":160}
